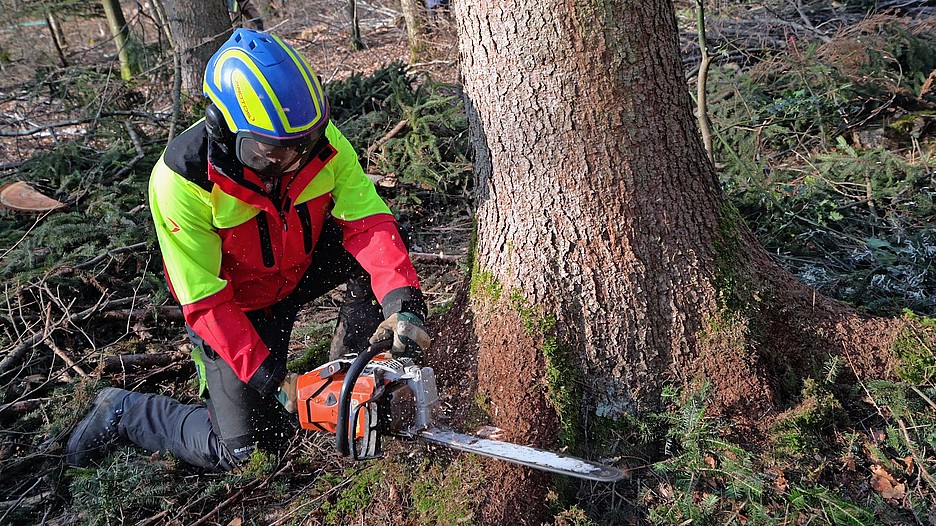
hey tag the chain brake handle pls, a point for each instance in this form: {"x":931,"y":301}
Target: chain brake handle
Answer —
{"x":344,"y":427}
{"x":370,"y":442}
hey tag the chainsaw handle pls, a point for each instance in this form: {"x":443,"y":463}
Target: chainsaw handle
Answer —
{"x":344,"y":436}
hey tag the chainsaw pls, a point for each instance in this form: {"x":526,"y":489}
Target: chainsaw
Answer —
{"x":362,"y":398}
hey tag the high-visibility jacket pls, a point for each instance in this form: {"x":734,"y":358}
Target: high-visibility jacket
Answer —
{"x":230,"y":248}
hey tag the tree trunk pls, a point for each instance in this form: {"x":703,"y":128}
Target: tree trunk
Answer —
{"x":198,"y":29}
{"x":608,"y":263}
{"x":121,"y":34}
{"x":355,"y":43}
{"x":58,"y":37}
{"x":414,"y":14}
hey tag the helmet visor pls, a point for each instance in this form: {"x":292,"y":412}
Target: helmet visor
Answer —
{"x":272,"y":157}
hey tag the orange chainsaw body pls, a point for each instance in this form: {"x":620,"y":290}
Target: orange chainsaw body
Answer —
{"x":317,"y":394}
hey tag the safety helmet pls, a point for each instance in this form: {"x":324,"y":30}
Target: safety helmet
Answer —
{"x":266,"y":101}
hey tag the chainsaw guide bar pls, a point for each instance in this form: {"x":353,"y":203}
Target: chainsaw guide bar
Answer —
{"x":530,"y":457}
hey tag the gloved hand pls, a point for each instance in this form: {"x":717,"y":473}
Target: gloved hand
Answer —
{"x":286,"y":394}
{"x":408,"y":332}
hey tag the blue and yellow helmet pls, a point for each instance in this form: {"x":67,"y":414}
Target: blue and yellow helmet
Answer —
{"x":264,"y":89}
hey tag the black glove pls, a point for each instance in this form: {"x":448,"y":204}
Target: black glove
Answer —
{"x":408,"y":333}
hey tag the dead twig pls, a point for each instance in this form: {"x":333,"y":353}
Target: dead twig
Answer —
{"x":253,"y":485}
{"x":916,"y":458}
{"x":17,"y":352}
{"x":427,"y":256}
{"x":138,"y":145}
{"x":22,"y":499}
{"x":97,"y":259}
{"x":128,"y":362}
{"x":391,"y":134}
{"x":22,"y":406}
{"x":72,"y":365}
{"x":154,"y":519}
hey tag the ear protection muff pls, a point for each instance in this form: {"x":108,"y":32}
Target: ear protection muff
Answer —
{"x":216,"y":126}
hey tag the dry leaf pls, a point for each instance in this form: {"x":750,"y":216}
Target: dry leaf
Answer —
{"x":849,"y":462}
{"x":908,"y":461}
{"x":781,"y":484}
{"x":879,"y":471}
{"x":883,"y":483}
{"x":895,"y":493}
{"x":236,"y":521}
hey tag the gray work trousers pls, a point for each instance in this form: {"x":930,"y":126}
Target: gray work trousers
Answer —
{"x":236,"y":418}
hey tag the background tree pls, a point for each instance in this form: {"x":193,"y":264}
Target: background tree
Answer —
{"x":58,"y":37}
{"x":414,"y":13}
{"x":355,"y":43}
{"x":198,"y":28}
{"x":121,"y":34}
{"x":608,"y":263}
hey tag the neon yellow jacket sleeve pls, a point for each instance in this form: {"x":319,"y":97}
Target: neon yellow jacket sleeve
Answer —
{"x":190,"y":245}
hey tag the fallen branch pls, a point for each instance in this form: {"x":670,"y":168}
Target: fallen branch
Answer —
{"x":73,"y":122}
{"x":17,"y":352}
{"x":130,"y":362}
{"x":21,"y":407}
{"x":254,"y":485}
{"x":167,"y":312}
{"x":428,"y":256}
{"x":391,"y":134}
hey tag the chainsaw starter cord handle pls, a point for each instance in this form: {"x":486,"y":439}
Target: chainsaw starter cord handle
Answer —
{"x":343,"y":436}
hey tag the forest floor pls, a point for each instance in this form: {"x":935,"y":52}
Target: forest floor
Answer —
{"x":847,"y":207}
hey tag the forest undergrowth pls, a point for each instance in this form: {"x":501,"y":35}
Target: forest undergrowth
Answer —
{"x":825,"y":142}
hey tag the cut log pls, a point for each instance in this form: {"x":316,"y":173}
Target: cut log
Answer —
{"x":21,"y":197}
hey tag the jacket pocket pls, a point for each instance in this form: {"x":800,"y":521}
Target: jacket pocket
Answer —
{"x":266,"y":243}
{"x":305,"y":219}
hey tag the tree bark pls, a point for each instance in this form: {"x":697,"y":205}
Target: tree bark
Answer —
{"x":587,"y":161}
{"x":414,"y":14}
{"x":58,"y":37}
{"x":198,"y":29}
{"x":121,"y":34}
{"x":355,"y":43}
{"x":599,"y":209}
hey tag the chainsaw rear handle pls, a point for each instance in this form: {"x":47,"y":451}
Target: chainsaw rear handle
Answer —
{"x":343,"y":436}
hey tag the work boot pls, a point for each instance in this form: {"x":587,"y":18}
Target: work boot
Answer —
{"x":98,"y":431}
